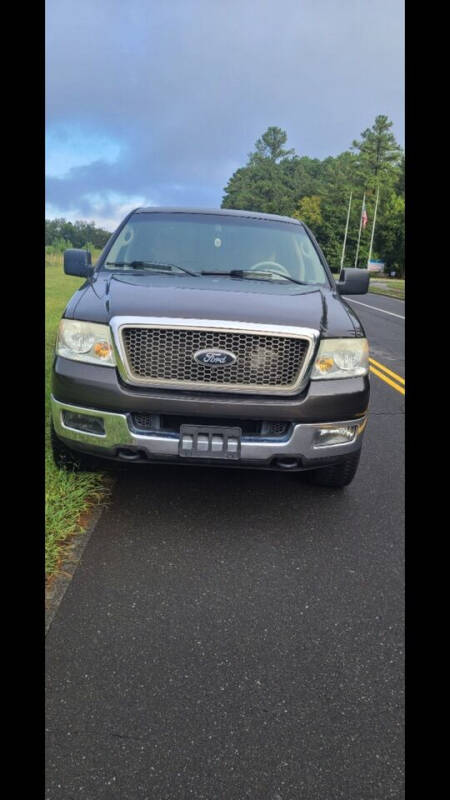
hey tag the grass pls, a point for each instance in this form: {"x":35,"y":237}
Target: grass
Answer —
{"x":68,"y":495}
{"x":393,"y":287}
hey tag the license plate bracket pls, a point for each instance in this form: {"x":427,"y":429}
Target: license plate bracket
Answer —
{"x":210,"y":441}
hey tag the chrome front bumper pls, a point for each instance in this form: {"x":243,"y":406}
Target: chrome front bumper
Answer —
{"x":299,"y":443}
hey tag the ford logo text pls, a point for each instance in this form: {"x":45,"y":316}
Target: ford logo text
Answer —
{"x":215,"y":358}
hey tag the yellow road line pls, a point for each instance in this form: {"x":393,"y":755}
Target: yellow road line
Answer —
{"x":387,"y":380}
{"x":389,"y":371}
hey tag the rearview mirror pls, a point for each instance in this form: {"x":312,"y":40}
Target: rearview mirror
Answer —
{"x":78,"y":262}
{"x":353,"y":281}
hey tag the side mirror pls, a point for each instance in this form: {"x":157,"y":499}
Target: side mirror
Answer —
{"x":353,"y":281}
{"x":78,"y":262}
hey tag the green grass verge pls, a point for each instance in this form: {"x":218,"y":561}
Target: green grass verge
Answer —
{"x":68,"y":495}
{"x":392,"y":287}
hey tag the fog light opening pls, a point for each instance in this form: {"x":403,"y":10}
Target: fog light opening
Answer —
{"x":85,"y":423}
{"x":341,"y":434}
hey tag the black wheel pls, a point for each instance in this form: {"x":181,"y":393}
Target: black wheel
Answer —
{"x":337,"y":475}
{"x":68,"y":459}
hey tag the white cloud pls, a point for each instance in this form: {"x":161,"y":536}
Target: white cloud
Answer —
{"x":107,"y":209}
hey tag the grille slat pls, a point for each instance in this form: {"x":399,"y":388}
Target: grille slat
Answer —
{"x":158,"y":355}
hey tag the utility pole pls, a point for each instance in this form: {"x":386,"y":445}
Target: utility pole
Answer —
{"x":346,"y":230}
{"x":360,"y":226}
{"x":373,"y":226}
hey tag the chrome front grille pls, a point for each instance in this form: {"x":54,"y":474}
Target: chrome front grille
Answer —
{"x":271,"y":363}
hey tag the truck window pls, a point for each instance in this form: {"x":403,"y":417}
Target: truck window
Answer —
{"x":217,"y":242}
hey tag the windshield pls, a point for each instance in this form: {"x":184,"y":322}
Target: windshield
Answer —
{"x":216,"y":243}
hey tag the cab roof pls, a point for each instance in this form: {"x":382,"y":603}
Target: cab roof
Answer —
{"x":222,"y":211}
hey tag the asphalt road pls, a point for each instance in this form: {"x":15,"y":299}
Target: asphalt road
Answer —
{"x":232,"y":635}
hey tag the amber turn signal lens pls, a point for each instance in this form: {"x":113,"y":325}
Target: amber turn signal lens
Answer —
{"x":102,"y":349}
{"x":324,"y":364}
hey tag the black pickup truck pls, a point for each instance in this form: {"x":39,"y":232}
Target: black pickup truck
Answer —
{"x":211,"y":337}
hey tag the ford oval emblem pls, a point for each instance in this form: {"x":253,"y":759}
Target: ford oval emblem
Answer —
{"x":215,"y":358}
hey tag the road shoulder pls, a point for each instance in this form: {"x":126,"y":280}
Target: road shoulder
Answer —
{"x":58,"y":583}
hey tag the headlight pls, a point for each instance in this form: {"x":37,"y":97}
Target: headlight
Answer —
{"x":341,"y":358}
{"x":85,"y":341}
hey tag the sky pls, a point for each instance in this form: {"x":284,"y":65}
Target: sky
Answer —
{"x":153,"y":103}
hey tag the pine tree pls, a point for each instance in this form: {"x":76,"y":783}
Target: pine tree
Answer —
{"x":378,"y":152}
{"x":270,"y":145}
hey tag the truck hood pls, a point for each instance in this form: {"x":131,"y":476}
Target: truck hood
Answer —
{"x":213,"y":298}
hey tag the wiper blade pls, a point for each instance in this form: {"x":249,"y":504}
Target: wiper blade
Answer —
{"x":164,"y":267}
{"x":253,"y":274}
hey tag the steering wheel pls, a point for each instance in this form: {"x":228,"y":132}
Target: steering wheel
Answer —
{"x":279,"y":267}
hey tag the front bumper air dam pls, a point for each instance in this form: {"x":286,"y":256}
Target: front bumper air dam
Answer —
{"x":299,"y":444}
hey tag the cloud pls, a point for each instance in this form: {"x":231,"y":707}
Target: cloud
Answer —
{"x":69,"y":146}
{"x":169,"y":98}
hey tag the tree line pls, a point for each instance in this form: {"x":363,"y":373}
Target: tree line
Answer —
{"x":276,"y":180}
{"x":61,"y":234}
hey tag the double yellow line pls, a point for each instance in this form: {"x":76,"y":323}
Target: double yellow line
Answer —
{"x":396,"y":381}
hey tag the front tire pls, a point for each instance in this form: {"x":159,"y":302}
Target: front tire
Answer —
{"x":338,"y":475}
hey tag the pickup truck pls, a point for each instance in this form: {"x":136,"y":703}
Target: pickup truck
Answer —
{"x":211,"y":337}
